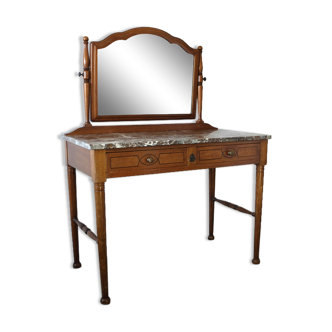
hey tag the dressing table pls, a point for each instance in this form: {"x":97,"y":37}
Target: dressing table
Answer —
{"x":139,"y":75}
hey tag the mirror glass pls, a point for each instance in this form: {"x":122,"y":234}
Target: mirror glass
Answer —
{"x":144,"y":75}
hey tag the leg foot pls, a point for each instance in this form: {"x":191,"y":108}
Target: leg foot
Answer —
{"x":105,"y":300}
{"x":77,"y":265}
{"x":256,"y":261}
{"x":212,"y":238}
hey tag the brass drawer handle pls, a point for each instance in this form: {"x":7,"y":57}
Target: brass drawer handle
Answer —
{"x":230,"y":153}
{"x":150,"y":160}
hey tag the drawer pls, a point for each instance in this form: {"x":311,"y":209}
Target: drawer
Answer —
{"x":146,"y":159}
{"x":227,"y":153}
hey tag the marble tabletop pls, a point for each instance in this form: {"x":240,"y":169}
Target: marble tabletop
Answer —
{"x":144,"y":139}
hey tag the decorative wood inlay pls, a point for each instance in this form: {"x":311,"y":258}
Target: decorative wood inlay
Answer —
{"x":247,"y":152}
{"x":120,"y":162}
{"x":233,"y":206}
{"x":210,"y":154}
{"x":171,"y":158}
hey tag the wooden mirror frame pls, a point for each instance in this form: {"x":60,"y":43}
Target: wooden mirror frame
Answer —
{"x":95,"y":46}
{"x":176,"y":124}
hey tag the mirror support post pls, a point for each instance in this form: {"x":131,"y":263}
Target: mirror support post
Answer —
{"x":86,"y":84}
{"x":200,"y":86}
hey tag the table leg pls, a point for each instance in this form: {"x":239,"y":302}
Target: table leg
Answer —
{"x":258,"y":211}
{"x":252,"y":171}
{"x":209,"y":208}
{"x":101,"y":234}
{"x":212,"y":173}
{"x":205,"y":188}
{"x":73,"y":214}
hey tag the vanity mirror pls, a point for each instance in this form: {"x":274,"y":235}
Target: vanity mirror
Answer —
{"x":143,"y":74}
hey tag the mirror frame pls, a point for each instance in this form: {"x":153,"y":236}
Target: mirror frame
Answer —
{"x":95,"y":46}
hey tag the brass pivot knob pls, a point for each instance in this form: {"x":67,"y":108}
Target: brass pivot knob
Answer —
{"x":80,"y":74}
{"x":150,"y":160}
{"x":204,"y":78}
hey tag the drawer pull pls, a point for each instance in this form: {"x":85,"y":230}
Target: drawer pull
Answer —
{"x":230,"y":153}
{"x":150,"y":160}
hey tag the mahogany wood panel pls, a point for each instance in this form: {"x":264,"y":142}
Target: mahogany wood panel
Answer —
{"x":210,"y":154}
{"x":122,"y":161}
{"x":248,"y":151}
{"x":98,"y":165}
{"x":140,"y":128}
{"x":176,"y":157}
{"x":79,"y":158}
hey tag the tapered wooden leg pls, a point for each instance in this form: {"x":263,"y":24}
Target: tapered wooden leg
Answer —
{"x":73,"y":213}
{"x":258,"y":211}
{"x":209,"y":187}
{"x":212,"y":207}
{"x":205,"y":187}
{"x":252,"y":172}
{"x":101,"y":234}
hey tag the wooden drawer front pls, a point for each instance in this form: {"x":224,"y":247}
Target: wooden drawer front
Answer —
{"x":248,"y":151}
{"x":226,"y":153}
{"x":121,"y":162}
{"x":145,"y":159}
